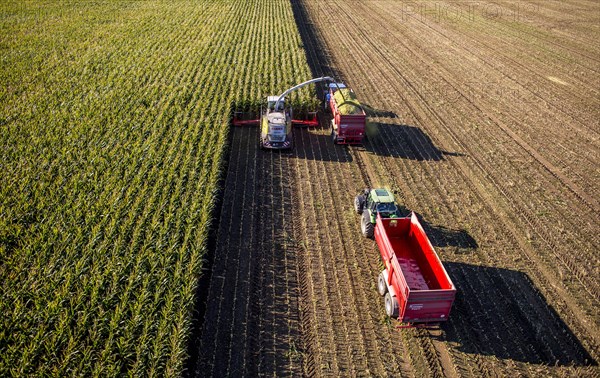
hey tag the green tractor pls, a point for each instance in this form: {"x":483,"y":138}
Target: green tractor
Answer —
{"x":371,"y":203}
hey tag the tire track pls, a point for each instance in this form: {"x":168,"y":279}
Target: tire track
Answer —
{"x":329,"y":362}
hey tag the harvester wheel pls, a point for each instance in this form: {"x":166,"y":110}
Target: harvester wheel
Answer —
{"x":366,"y":226}
{"x":391,"y":305}
{"x":381,"y":286}
{"x":359,"y":202}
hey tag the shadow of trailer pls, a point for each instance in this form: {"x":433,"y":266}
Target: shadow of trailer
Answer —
{"x":500,"y":312}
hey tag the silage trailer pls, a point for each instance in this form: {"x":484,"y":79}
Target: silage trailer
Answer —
{"x":348,"y":116}
{"x":416,"y":287}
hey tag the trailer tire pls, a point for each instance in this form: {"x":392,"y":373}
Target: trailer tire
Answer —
{"x":381,"y":285}
{"x":359,"y":202}
{"x":367,"y":228}
{"x":391,"y":306}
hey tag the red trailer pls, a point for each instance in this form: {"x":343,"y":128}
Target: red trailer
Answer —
{"x":415,"y":284}
{"x":349,"y":117}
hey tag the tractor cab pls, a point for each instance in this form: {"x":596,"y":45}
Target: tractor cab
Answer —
{"x":381,"y":201}
{"x":386,"y":209}
{"x":373,"y":202}
{"x":331,"y":88}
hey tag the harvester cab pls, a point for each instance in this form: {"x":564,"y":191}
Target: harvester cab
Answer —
{"x":373,"y":202}
{"x":272,"y":102}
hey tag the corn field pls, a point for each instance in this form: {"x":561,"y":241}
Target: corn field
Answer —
{"x":115,"y":124}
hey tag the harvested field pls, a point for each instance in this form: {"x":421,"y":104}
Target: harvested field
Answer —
{"x":485,"y":121}
{"x":252,"y":323}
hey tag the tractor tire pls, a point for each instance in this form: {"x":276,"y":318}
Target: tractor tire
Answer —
{"x":359,"y":203}
{"x":391,"y":306}
{"x":381,"y":285}
{"x":333,"y":137}
{"x":367,"y":228}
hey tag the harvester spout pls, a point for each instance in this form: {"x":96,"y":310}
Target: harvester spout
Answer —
{"x":282,"y":96}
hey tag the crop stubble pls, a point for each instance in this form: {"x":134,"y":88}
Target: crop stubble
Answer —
{"x":401,"y":72}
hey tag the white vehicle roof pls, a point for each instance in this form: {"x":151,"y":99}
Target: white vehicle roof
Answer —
{"x":277,"y":118}
{"x":273,"y":98}
{"x":337,"y":85}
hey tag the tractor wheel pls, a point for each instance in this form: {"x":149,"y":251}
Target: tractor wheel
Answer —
{"x":391,"y":306}
{"x":381,"y":285}
{"x":359,"y":202}
{"x":333,"y":136}
{"x":367,"y":228}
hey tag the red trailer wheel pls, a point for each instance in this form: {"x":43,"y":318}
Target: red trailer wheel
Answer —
{"x":391,"y":306}
{"x":381,"y":286}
